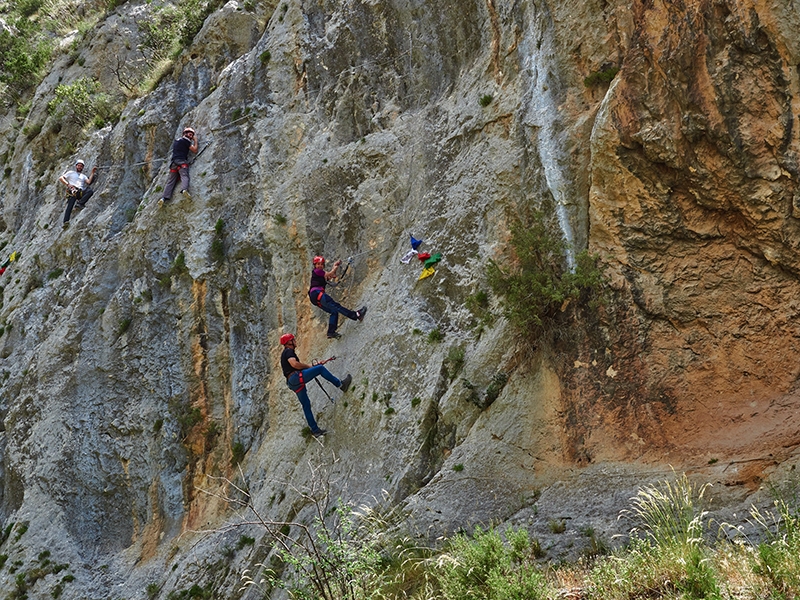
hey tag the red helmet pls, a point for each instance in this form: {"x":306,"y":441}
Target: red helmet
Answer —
{"x":319,"y":260}
{"x":286,"y":338}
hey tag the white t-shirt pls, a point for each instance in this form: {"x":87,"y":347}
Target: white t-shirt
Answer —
{"x":75,"y":179}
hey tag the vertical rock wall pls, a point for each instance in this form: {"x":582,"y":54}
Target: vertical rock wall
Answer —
{"x":134,"y":380}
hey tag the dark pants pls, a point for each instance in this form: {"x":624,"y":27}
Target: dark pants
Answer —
{"x":81,"y":197}
{"x":293,"y":381}
{"x":176,"y":172}
{"x":329,"y":305}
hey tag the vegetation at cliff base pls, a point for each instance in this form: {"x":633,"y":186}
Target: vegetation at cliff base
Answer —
{"x":674,"y":551}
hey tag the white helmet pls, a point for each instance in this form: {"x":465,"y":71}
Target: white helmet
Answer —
{"x":80,"y":162}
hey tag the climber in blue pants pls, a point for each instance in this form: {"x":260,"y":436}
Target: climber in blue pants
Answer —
{"x":298,"y":374}
{"x":318,"y":297}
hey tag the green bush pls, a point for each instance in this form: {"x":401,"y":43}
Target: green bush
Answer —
{"x":499,"y":381}
{"x":188,"y":419}
{"x":179,"y":265}
{"x":454,"y":361}
{"x":159,"y":33}
{"x":435,"y":336}
{"x":778,"y":558}
{"x":485,"y":567}
{"x":218,"y":243}
{"x":81,"y":102}
{"x":671,"y":559}
{"x":124,"y":324}
{"x":24,"y":52}
{"x":535,"y":282}
{"x":237,"y":453}
{"x":602,"y":76}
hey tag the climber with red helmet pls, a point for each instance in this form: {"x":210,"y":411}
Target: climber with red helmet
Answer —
{"x":179,"y":167}
{"x":78,"y":189}
{"x":298,"y":374}
{"x":318,"y":297}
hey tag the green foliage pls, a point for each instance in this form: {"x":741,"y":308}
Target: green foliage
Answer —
{"x":24,"y":51}
{"x":279,"y":219}
{"x":124,"y":324}
{"x":32,"y":130}
{"x":535,"y":284}
{"x":265,"y":57}
{"x":778,"y":558}
{"x":499,"y":381}
{"x":196,"y":12}
{"x":20,"y":530}
{"x":245,"y":540}
{"x":478,"y":305}
{"x":454,"y":361}
{"x":152,"y":590}
{"x":671,"y":557}
{"x":82,"y":102}
{"x":485,"y":100}
{"x":218,"y":243}
{"x":26,"y":8}
{"x":237,"y":453}
{"x":487,"y":568}
{"x":55,"y":273}
{"x":670,"y":513}
{"x":190,"y":417}
{"x":177,"y":269}
{"x":339,"y":561}
{"x":415,"y":401}
{"x":196,"y":592}
{"x":164,"y":32}
{"x":458,"y":467}
{"x":559,"y":526}
{"x":602,"y":76}
{"x":159,"y":33}
{"x":435,"y":336}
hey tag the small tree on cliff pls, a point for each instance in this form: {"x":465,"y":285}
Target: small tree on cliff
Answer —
{"x":534,"y":282}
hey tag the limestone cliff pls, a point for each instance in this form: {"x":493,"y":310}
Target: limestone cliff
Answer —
{"x":140,"y":345}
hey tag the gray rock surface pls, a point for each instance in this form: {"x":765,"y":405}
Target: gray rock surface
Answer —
{"x":139,"y":358}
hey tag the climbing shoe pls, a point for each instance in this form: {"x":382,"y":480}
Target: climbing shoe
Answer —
{"x":334,"y":336}
{"x":361,"y":312}
{"x":319,"y":432}
{"x":186,"y":194}
{"x":161,"y":201}
{"x":346,"y":383}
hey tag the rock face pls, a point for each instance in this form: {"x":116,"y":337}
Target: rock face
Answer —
{"x":140,"y":345}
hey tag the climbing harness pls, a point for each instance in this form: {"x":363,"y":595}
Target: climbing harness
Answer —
{"x":319,"y":292}
{"x":301,"y":385}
